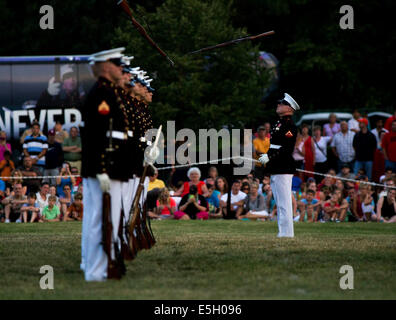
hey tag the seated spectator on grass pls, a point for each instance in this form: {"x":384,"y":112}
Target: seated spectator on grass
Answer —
{"x":344,"y":205}
{"x":254,"y":206}
{"x":213,"y":202}
{"x":66,"y":200}
{"x":346,"y":172}
{"x":230,"y":207}
{"x":309,"y":207}
{"x":16,"y":178}
{"x":7,"y":166}
{"x":296,"y":183}
{"x":387,"y":175}
{"x":165,"y":206}
{"x":2,"y":189}
{"x":245,"y":187}
{"x":221,"y":185}
{"x":192,"y":206}
{"x":51,"y":212}
{"x":65,"y":179}
{"x":30,"y":210}
{"x":357,"y":201}
{"x":42,"y":196}
{"x":13,"y":204}
{"x":331,"y":208}
{"x":386,"y":207}
{"x":52,"y":192}
{"x":76,"y":209}
{"x":29,"y":170}
{"x":194,"y":174}
{"x":154,"y":182}
{"x":368,"y":205}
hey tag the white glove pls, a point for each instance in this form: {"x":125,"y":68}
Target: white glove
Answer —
{"x":53,"y":87}
{"x":151,"y":154}
{"x":104,"y":181}
{"x":264,"y":158}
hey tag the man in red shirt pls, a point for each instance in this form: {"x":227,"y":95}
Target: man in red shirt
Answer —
{"x":388,"y":123}
{"x":389,"y":147}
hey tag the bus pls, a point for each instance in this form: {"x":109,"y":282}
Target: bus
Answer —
{"x":42,"y":88}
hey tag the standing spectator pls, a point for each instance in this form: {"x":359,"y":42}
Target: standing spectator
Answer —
{"x":42,"y":196}
{"x":342,"y":146}
{"x":60,"y":134}
{"x":254,"y":206}
{"x":35,"y":146}
{"x":379,"y":161}
{"x":192,"y":206}
{"x":30,"y":210}
{"x":72,"y":149}
{"x":76,"y":209}
{"x":4,"y":146}
{"x":365,"y":144}
{"x":308,"y":150}
{"x":389,"y":147}
{"x":213,"y":173}
{"x":51,"y":212}
{"x":29,"y":170}
{"x":388,"y":122}
{"x":53,"y":158}
{"x":298,"y":155}
{"x":28,"y":132}
{"x":7,"y":166}
{"x":332,"y":127}
{"x":154,"y":182}
{"x":77,"y":179}
{"x":321,"y":143}
{"x":13,"y":204}
{"x":230,"y":207}
{"x":386,"y":207}
{"x":353,"y":124}
{"x":65,"y":179}
{"x":261,"y":145}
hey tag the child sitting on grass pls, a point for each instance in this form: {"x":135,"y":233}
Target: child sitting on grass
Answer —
{"x":30,"y":211}
{"x":308,"y":207}
{"x":51,"y":212}
{"x":75,"y":211}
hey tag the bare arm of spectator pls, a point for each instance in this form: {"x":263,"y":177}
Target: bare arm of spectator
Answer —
{"x":26,"y":153}
{"x":205,"y":191}
{"x":179,"y":191}
{"x":199,"y":207}
{"x":335,"y":151}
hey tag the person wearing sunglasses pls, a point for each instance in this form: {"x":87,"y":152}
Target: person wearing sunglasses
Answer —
{"x":280,"y":163}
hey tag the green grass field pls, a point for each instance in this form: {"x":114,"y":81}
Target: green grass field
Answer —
{"x":209,"y":260}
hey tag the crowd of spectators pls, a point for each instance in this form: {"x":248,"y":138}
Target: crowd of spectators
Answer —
{"x":343,"y":155}
{"x":347,"y":155}
{"x":44,"y":183}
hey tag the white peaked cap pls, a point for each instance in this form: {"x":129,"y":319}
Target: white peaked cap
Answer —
{"x":148,"y":81}
{"x":66,"y":68}
{"x":127,"y":60}
{"x":106,"y":55}
{"x":292,"y":102}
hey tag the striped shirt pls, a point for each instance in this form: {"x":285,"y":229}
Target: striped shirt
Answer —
{"x":34,"y":146}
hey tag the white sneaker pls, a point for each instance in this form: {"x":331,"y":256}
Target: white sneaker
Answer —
{"x":7,"y":221}
{"x":18,"y":221}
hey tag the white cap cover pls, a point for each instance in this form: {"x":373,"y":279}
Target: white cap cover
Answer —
{"x":292,"y":102}
{"x":106,"y":55}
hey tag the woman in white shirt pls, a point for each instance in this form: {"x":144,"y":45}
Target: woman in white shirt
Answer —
{"x":321,"y":143}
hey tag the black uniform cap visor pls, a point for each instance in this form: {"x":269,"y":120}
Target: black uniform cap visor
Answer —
{"x":117,"y":61}
{"x":284,"y":102}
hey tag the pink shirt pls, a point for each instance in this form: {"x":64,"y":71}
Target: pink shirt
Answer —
{"x":329,"y":132}
{"x":2,"y":149}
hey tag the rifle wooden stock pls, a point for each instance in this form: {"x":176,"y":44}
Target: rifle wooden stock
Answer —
{"x":126,"y":253}
{"x":138,"y":238}
{"x":113,"y":268}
